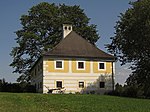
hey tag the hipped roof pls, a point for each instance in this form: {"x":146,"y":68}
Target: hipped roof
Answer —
{"x":74,"y":45}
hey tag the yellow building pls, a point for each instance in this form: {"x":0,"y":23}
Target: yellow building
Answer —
{"x":74,"y":65}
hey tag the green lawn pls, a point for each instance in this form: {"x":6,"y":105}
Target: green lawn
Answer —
{"x":24,"y":102}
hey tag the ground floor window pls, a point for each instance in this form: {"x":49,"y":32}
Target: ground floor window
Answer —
{"x":102,"y":84}
{"x":59,"y":84}
{"x":81,"y":84}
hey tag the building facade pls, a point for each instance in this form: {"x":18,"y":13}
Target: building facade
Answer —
{"x":75,"y":65}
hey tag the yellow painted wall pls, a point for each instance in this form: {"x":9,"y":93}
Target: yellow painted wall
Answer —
{"x":75,"y":70}
{"x":51,"y":66}
{"x":108,"y":69}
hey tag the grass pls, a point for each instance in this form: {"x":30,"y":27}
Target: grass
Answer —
{"x":25,"y":102}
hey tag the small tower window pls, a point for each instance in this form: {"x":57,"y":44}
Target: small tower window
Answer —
{"x":65,"y":27}
{"x":69,"y":28}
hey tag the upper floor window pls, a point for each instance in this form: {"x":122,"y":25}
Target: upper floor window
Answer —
{"x":101,"y":66}
{"x":81,"y":65}
{"x":59,"y":64}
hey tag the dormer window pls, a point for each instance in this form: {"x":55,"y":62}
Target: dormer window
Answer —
{"x":59,"y":64}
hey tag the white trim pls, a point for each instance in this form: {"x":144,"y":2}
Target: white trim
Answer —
{"x":80,"y":68}
{"x":58,"y":81}
{"x":62,"y":64}
{"x":114,"y":70}
{"x":70,"y":66}
{"x":104,"y":66}
{"x":91,"y":66}
{"x":83,"y":83}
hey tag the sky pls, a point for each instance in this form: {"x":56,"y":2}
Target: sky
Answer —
{"x":103,"y":13}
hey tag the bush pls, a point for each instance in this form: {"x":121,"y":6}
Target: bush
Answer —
{"x":147,"y":93}
{"x":130,"y":91}
{"x":16,"y":87}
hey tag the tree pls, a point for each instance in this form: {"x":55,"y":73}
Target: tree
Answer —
{"x":131,"y":43}
{"x":42,"y":30}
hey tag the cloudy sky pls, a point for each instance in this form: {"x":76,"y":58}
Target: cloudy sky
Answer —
{"x":103,"y":13}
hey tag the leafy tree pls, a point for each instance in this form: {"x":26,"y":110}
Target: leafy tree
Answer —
{"x":131,"y":43}
{"x":16,"y":87}
{"x":42,"y":30}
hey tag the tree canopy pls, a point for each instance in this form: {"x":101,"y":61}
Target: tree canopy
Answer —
{"x":42,"y":30}
{"x":131,"y":43}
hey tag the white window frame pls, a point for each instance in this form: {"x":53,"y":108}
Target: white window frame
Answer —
{"x":58,"y":81}
{"x":78,"y":63}
{"x":62,"y":64}
{"x":104,"y":66}
{"x":83,"y":84}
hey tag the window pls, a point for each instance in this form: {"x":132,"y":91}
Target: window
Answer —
{"x":81,"y":84}
{"x":58,"y":64}
{"x":101,"y":66}
{"x":40,"y":84}
{"x":69,"y":28}
{"x":102,"y":84}
{"x":65,"y":27}
{"x":80,"y":65}
{"x":59,"y":84}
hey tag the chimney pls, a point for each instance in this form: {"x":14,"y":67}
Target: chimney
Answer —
{"x":67,"y":28}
